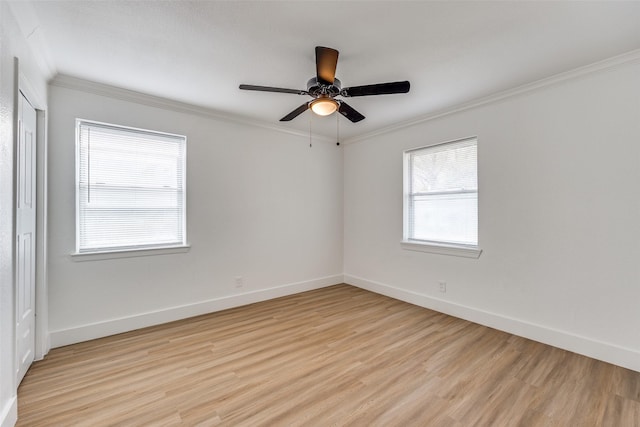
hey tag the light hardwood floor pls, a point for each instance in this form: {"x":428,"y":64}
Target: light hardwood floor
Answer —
{"x":334,"y":356}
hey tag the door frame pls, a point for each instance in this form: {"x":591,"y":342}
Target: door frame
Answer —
{"x":38,"y":102}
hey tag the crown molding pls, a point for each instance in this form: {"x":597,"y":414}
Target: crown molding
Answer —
{"x":596,"y":67}
{"x":75,"y":83}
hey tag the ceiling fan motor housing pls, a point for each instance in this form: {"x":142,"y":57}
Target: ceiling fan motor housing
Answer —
{"x":317,"y":89}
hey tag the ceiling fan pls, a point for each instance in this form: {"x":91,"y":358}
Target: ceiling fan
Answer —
{"x":325,"y":87}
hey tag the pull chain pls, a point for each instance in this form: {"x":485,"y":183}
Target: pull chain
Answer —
{"x":310,"y":118}
{"x":337,"y":129}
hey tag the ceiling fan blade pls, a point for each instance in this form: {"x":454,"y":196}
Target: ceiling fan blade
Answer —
{"x":377,"y":89}
{"x":348,"y":111}
{"x":274,"y":89}
{"x":295,"y":113}
{"x":326,"y":62}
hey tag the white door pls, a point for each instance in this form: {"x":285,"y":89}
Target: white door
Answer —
{"x":25,"y":236}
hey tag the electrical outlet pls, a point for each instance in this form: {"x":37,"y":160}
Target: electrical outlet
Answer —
{"x":443,"y":287}
{"x":239,"y":281}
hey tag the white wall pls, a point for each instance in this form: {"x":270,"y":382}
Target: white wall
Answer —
{"x":559,"y":216}
{"x":13,"y":44}
{"x":261,"y":205}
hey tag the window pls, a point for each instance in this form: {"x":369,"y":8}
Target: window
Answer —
{"x":441,"y":197}
{"x":130,"y":189}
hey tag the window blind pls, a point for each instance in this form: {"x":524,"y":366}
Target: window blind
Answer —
{"x":443,"y":193}
{"x":130,"y":188}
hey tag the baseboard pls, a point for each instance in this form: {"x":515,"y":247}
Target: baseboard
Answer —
{"x":607,"y":352}
{"x":9,"y":415}
{"x":88,"y":332}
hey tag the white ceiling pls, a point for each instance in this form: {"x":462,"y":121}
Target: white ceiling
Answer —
{"x":452,"y":52}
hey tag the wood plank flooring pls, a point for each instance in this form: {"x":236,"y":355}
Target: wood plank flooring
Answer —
{"x":338,"y":356}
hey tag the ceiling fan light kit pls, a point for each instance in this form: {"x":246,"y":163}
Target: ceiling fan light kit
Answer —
{"x":323,"y":106}
{"x":325,"y":87}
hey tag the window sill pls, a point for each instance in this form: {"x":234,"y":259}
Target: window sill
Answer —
{"x":442,"y":248}
{"x":129,"y":253}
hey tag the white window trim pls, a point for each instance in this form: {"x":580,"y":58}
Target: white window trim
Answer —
{"x":441,"y":248}
{"x":115,"y":253}
{"x":466,"y":251}
{"x":129,"y":253}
